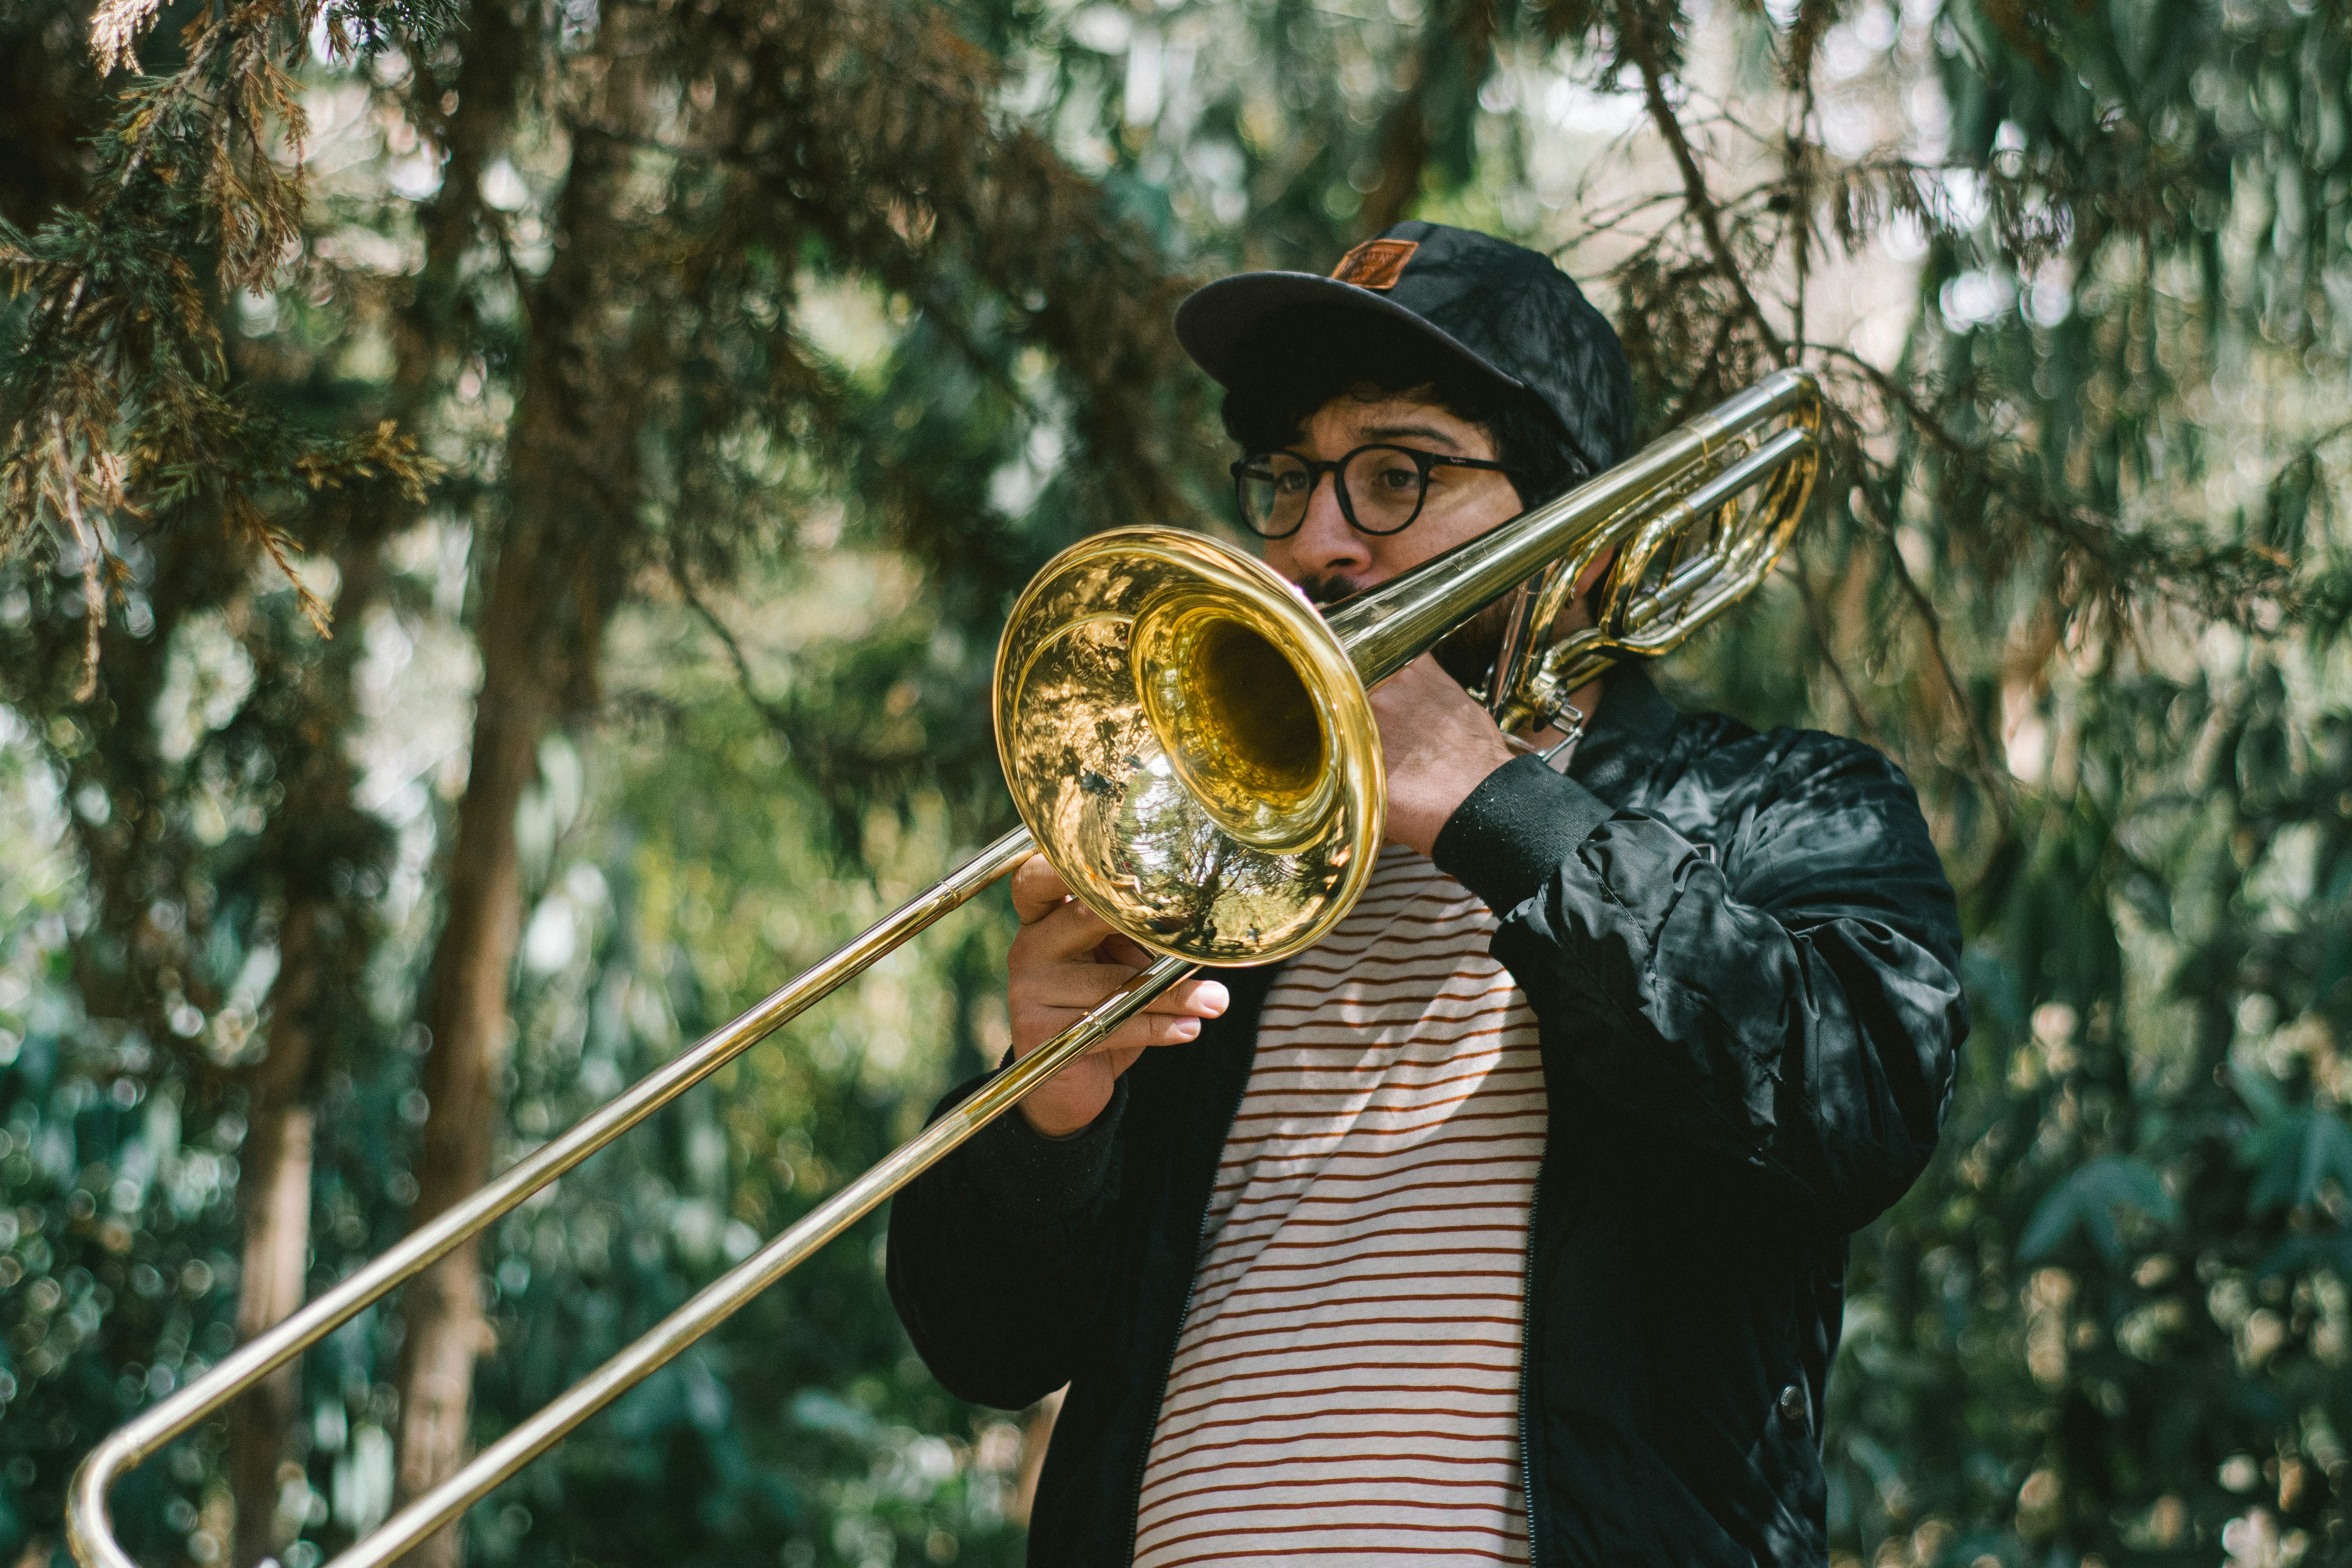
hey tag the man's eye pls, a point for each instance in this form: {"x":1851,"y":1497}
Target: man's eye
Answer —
{"x":1397,"y":477}
{"x":1289,"y":481}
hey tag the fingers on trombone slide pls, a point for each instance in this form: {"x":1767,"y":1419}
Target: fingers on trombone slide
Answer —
{"x":1067,"y":959}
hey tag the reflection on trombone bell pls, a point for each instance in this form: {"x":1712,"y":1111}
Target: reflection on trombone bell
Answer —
{"x":1189,"y":742}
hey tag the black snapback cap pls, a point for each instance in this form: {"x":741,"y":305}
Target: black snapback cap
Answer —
{"x":1503,"y":310}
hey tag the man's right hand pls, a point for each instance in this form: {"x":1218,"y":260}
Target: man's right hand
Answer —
{"x":1066,"y":960}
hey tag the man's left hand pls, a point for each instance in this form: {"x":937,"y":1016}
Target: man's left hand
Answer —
{"x":1439,"y":745}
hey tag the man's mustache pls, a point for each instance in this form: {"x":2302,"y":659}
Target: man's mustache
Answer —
{"x":1323,"y":593}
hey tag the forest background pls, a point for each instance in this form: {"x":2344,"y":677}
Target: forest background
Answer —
{"x":658,"y":401}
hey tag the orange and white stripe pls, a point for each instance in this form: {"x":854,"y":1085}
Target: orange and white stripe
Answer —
{"x":1346,"y":1383}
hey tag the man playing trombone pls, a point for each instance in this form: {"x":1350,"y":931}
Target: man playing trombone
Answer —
{"x":1509,"y":1223}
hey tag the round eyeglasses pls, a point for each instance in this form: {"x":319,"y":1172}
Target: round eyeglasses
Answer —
{"x":1381,"y":487}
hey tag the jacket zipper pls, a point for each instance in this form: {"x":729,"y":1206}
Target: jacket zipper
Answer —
{"x":1184,"y":1314}
{"x":1526,"y":1338}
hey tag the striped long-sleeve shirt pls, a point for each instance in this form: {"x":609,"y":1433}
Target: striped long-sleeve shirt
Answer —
{"x":1346,"y":1383}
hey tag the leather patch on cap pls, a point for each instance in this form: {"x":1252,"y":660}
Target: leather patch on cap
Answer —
{"x":1376,"y":263}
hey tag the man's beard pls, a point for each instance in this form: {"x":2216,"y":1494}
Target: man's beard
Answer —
{"x":1467,"y":653}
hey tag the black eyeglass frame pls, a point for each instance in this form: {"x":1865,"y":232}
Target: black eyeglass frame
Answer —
{"x":1317,"y":467}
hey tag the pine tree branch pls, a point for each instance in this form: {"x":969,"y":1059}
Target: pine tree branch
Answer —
{"x":1634,"y":33}
{"x":117,"y":389}
{"x":1988,"y":778}
{"x":2227,"y":582}
{"x":778,"y":718}
{"x":1823,"y":640}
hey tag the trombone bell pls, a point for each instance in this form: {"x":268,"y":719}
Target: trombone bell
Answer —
{"x":1190,"y":746}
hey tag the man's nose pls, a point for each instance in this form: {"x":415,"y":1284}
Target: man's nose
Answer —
{"x":1326,"y":545}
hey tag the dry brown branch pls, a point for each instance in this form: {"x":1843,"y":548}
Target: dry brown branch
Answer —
{"x":1991,"y":779}
{"x":1823,"y":640}
{"x":66,"y":492}
{"x":114,"y":27}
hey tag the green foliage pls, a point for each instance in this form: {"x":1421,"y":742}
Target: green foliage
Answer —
{"x":2088,"y":1201}
{"x":120,"y":1184}
{"x":2116,"y":1306}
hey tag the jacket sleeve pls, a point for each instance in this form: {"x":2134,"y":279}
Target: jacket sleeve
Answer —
{"x":999,"y":1257}
{"x":1795,"y":1010}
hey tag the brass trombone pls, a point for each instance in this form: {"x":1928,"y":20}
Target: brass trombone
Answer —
{"x":1188,"y":741}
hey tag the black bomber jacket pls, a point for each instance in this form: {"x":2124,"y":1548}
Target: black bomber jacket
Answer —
{"x":1743,"y":959}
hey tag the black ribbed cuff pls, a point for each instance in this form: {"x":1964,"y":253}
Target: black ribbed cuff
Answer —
{"x":1040,"y":1180}
{"x":1516,"y":828}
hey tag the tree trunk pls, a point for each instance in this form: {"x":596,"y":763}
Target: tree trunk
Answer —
{"x":561,"y":566}
{"x":1445,"y":71}
{"x":1404,"y":153}
{"x":275,"y":1193}
{"x":277,"y":1203}
{"x":324,"y":939}
{"x":318,"y":840}
{"x":466,"y":1014}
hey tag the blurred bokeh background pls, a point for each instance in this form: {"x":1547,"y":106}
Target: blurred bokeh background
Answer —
{"x":659,"y":401}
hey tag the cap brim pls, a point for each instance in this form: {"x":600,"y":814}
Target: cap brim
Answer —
{"x":1222,"y":324}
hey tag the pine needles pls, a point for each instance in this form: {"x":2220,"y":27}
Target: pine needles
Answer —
{"x":115,"y":394}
